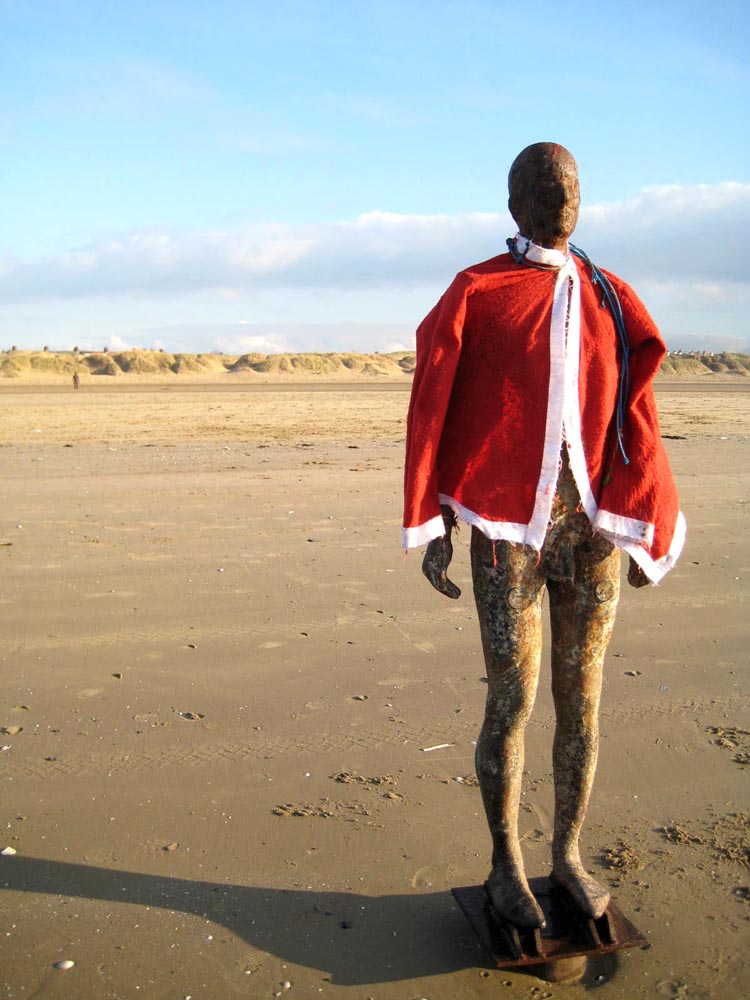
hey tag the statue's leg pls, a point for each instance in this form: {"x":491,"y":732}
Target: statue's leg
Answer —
{"x":582,"y":615}
{"x":508,"y":593}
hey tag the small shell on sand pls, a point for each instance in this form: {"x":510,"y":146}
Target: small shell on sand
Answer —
{"x":66,"y":963}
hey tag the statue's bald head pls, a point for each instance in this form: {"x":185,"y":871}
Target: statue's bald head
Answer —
{"x":544,"y":194}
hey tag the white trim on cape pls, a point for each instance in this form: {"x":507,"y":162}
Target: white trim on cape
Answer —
{"x":655,"y":569}
{"x":618,"y":526}
{"x":498,"y":531}
{"x":422,"y":534}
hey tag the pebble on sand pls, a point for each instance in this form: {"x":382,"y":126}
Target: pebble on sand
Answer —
{"x":66,"y":963}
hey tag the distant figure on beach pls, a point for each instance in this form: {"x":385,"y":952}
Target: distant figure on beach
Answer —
{"x":76,"y":380}
{"x":533,"y":420}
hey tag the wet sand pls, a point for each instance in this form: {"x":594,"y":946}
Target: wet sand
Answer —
{"x":220,"y":681}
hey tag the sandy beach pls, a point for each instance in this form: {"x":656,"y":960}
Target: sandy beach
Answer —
{"x":221,"y":682}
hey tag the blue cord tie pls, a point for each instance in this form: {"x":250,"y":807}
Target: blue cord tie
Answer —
{"x":610,"y":298}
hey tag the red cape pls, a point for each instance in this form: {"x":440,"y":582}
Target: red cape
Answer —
{"x":512,"y":362}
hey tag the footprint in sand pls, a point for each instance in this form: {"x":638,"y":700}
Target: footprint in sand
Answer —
{"x":542,"y":818}
{"x":421,"y":878}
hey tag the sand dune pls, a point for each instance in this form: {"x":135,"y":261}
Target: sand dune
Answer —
{"x":52,"y":366}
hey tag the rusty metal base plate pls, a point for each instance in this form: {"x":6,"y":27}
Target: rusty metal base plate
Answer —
{"x":568,"y":934}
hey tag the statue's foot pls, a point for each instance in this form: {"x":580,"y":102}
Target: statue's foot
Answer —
{"x":589,"y":895}
{"x":512,"y":899}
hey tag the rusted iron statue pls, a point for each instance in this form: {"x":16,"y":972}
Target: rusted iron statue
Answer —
{"x":532,"y":419}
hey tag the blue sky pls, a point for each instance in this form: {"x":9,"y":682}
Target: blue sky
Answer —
{"x":310,"y":174}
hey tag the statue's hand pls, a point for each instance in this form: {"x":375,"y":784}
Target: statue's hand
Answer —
{"x":435,"y":565}
{"x":636,"y":576}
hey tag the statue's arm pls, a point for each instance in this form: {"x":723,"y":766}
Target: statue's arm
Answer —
{"x":636,"y":577}
{"x":438,"y":556}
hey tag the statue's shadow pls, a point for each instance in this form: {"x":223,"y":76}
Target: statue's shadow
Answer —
{"x":356,"y":939}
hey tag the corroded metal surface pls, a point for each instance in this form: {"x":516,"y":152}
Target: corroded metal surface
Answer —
{"x":567,"y":933}
{"x":580,"y":571}
{"x":438,"y":556}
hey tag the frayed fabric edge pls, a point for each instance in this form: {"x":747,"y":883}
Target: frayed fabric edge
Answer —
{"x":497,"y":531}
{"x":616,"y":525}
{"x":509,"y":531}
{"x":655,"y":569}
{"x":422,"y":534}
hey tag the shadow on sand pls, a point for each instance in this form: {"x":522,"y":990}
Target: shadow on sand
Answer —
{"x":356,"y":939}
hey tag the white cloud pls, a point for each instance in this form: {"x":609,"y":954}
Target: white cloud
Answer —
{"x":116,"y":343}
{"x":276,"y":343}
{"x":680,"y":246}
{"x":241,"y":337}
{"x":684,"y":234}
{"x":267,"y":253}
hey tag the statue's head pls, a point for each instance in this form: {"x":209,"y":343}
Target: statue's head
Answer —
{"x":544,"y":195}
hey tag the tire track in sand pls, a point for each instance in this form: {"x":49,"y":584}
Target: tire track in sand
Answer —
{"x":260,"y":747}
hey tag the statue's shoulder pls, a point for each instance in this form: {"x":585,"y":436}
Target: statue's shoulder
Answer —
{"x":499,"y":265}
{"x":485,"y":275}
{"x":639,"y":322}
{"x":619,"y":284}
{"x":629,"y":298}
